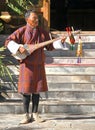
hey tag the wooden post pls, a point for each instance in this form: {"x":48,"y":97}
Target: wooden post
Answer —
{"x":46,"y":14}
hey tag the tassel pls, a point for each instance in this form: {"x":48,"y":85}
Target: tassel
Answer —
{"x":79,"y":60}
{"x":79,"y":50}
{"x":71,"y":37}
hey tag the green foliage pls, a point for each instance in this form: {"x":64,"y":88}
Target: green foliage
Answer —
{"x":19,"y":6}
{"x":1,"y":26}
{"x":4,"y":70}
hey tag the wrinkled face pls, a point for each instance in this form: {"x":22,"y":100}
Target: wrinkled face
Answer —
{"x":32,"y":20}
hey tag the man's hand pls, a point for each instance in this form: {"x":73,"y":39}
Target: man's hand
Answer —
{"x":63,"y":39}
{"x":22,"y":49}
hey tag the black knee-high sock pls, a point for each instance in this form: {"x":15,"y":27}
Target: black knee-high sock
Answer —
{"x":35,"y":102}
{"x":26,"y":102}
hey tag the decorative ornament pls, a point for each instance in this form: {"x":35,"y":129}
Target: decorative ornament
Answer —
{"x":71,"y":38}
{"x":79,"y":50}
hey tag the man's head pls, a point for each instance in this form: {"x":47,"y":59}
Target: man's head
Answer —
{"x":31,"y":18}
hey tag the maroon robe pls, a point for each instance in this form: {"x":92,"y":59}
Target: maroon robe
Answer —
{"x":32,"y":77}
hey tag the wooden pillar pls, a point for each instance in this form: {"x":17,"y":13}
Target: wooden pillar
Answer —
{"x":46,"y":14}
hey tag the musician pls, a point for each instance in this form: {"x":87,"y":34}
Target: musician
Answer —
{"x":32,"y":78}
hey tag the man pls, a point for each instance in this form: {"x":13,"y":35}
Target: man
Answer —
{"x":32,"y":78}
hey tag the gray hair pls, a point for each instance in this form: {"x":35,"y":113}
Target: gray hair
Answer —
{"x":27,"y":14}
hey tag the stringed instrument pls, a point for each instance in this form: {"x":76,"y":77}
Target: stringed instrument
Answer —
{"x":30,"y":48}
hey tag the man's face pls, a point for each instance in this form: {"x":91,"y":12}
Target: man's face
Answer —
{"x":32,"y":20}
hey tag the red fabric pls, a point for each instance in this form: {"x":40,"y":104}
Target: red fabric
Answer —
{"x":32,"y":76}
{"x":32,"y":79}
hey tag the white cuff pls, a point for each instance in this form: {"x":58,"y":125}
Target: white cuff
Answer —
{"x":13,"y":47}
{"x":57,"y":44}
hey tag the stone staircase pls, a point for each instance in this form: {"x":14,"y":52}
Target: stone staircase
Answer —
{"x":71,"y":84}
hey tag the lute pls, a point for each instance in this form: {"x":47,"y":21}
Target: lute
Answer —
{"x":30,"y":48}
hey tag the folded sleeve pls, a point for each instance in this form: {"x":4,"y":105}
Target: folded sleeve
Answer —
{"x":13,"y":47}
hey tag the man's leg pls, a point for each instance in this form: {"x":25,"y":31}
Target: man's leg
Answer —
{"x":26,"y":103}
{"x":35,"y":104}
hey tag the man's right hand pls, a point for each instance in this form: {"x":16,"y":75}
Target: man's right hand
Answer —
{"x":22,"y":49}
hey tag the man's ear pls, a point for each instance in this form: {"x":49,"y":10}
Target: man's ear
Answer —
{"x":26,"y":19}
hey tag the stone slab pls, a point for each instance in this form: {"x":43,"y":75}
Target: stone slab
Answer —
{"x":55,"y":121}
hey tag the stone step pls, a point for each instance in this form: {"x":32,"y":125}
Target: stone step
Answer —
{"x":70,"y":79}
{"x":52,"y":86}
{"x":62,"y":69}
{"x":68,"y":70}
{"x":86,"y":52}
{"x":89,"y":52}
{"x":54,"y":94}
{"x":51,"y":106}
{"x":69,"y":61}
{"x":69,"y":95}
{"x":71,"y":86}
